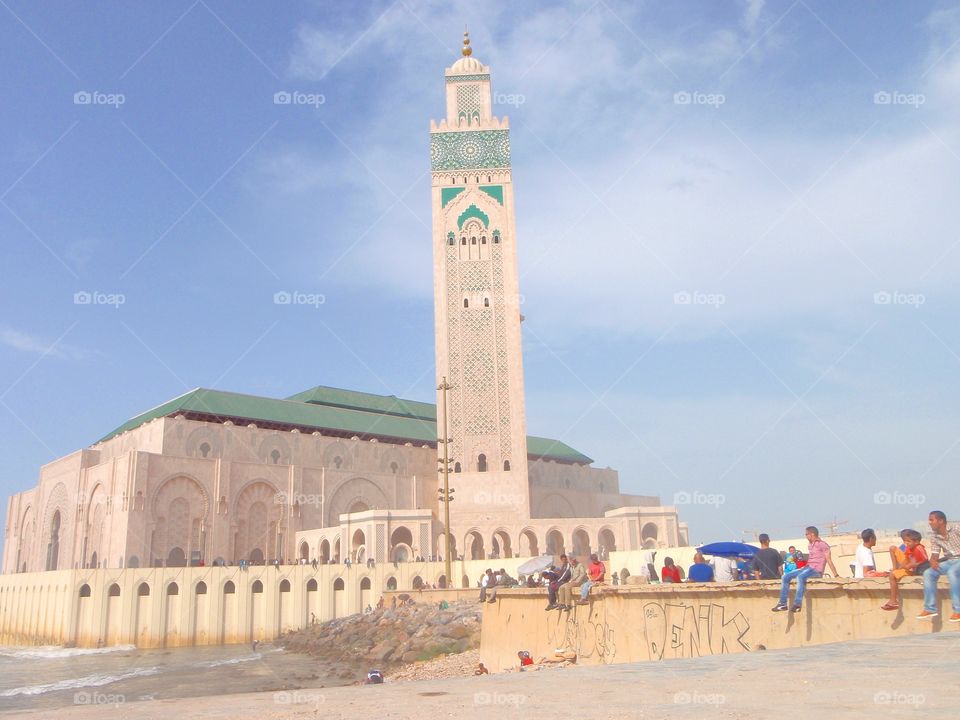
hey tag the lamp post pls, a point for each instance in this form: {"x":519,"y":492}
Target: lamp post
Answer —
{"x":446,"y":494}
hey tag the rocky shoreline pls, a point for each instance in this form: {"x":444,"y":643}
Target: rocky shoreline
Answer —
{"x":392,"y":638}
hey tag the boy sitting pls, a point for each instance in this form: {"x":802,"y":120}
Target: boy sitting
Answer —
{"x":906,"y":559}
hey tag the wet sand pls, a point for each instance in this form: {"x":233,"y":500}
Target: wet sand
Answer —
{"x":898,"y":677}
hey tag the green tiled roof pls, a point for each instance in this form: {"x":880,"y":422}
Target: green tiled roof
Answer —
{"x":324,"y":408}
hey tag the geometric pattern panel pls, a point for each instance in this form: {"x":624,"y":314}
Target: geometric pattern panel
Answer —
{"x":471,"y":149}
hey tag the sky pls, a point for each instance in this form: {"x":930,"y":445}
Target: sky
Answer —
{"x":736,"y":238}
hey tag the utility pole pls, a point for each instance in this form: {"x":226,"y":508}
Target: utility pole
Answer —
{"x":446,"y":493}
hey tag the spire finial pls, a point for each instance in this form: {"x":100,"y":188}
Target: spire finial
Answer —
{"x":466,"y":49}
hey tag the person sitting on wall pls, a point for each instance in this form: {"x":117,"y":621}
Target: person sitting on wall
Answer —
{"x":818,"y":560}
{"x":700,"y":571}
{"x":556,"y":576}
{"x":578,"y":576}
{"x":864,"y":561}
{"x":503,"y":580}
{"x":624,"y":576}
{"x":670,"y":573}
{"x":944,"y":560}
{"x":908,"y":559}
{"x":487,"y":581}
{"x":767,"y":562}
{"x":595,"y":573}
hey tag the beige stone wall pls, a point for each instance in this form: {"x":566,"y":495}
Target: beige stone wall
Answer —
{"x":641,"y":623}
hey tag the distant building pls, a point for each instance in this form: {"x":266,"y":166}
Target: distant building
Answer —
{"x":335,"y":475}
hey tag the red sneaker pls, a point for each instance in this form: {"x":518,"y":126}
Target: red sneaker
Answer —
{"x":927,"y":615}
{"x":955,"y":617}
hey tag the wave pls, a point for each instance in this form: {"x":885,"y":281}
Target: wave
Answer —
{"x":53,"y":652}
{"x":231,"y":661}
{"x":80,"y":682}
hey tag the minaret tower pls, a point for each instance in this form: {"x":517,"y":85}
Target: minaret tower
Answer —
{"x":477,"y":303}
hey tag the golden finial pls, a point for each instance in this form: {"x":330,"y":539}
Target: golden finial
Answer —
{"x":466,"y":50}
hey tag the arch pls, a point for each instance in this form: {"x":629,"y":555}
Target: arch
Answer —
{"x":442,"y":582}
{"x":257,"y":515}
{"x":401,"y":552}
{"x":347,"y":496}
{"x":257,"y":557}
{"x":205,"y":449}
{"x":338,"y":584}
{"x":506,"y":465}
{"x":284,"y":586}
{"x":606,"y":541}
{"x":555,"y":544}
{"x":358,"y":546}
{"x":201,"y":588}
{"x":500,"y":543}
{"x":143,"y":590}
{"x":113,"y":590}
{"x":442,"y":546}
{"x":481,"y":462}
{"x":178,"y":509}
{"x":173,"y":589}
{"x":312,"y":585}
{"x":581,"y":543}
{"x":648,"y":535}
{"x":391,"y":583}
{"x":133,"y":562}
{"x":465,"y":582}
{"x":529,"y":547}
{"x":324,"y":552}
{"x":257,"y":587}
{"x":176,"y":558}
{"x":94,"y":560}
{"x":456,"y":467}
{"x":53,"y":542}
{"x":304,"y":550}
{"x":473,"y":546}
{"x":229,"y":588}
{"x":84,"y":591}
{"x":417,"y":582}
{"x":365,"y":583}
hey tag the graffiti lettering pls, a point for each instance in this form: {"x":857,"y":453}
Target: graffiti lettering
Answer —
{"x":677,"y":631}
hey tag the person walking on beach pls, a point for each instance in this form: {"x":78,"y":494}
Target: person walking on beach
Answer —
{"x":768,"y":562}
{"x":944,"y":560}
{"x":818,"y":558}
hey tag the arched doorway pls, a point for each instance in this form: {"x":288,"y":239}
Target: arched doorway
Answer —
{"x":366,"y":594}
{"x":555,"y":544}
{"x":401,"y":544}
{"x":607,"y":542}
{"x":581,"y":544}
{"x":256,"y":556}
{"x":474,"y":545}
{"x":501,"y":544}
{"x":324,"y":553}
{"x":176,"y":558}
{"x":648,"y":535}
{"x":304,"y":551}
{"x":53,"y":545}
{"x":528,"y":544}
{"x":339,"y":598}
{"x":358,"y":547}
{"x":442,"y":546}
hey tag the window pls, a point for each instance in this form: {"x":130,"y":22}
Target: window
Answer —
{"x":506,"y":464}
{"x":466,"y":303}
{"x":483,"y":240}
{"x":463,"y":241}
{"x":482,"y":463}
{"x":456,"y":467}
{"x":451,"y":241}
{"x":84,"y":591}
{"x":275,"y":456}
{"x":257,"y":587}
{"x":205,"y":449}
{"x":338,"y":461}
{"x":229,"y":588}
{"x":473,"y":241}
{"x":394,"y":467}
{"x":486,"y":302}
{"x":201,"y":588}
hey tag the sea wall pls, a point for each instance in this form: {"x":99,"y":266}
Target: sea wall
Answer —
{"x":174,"y":607}
{"x":656,"y":622}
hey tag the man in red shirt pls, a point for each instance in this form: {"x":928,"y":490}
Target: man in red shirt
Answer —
{"x":595,"y":573}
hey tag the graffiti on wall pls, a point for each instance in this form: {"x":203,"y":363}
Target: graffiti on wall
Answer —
{"x":586,"y":634}
{"x":676,"y":630}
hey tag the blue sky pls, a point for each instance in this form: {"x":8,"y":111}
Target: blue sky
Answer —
{"x":803,"y":200}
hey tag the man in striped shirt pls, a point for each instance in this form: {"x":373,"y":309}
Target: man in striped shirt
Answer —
{"x":944,"y":560}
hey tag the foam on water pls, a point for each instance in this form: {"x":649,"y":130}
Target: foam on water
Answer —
{"x":53,"y":652}
{"x":80,"y":682}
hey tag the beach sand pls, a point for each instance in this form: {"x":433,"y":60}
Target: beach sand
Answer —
{"x":898,"y":677}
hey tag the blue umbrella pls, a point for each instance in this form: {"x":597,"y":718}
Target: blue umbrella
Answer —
{"x":729,"y":549}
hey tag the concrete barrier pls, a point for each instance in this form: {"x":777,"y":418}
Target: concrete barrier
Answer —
{"x":657,"y":622}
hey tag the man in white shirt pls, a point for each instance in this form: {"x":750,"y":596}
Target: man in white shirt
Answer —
{"x":863,"y":561}
{"x":724,"y":569}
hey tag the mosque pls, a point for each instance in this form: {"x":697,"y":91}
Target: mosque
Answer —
{"x":214,"y":477}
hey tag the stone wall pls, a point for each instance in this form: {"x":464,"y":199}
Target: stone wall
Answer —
{"x":657,"y":622}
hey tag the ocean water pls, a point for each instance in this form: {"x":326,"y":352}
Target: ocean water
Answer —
{"x":50,"y":677}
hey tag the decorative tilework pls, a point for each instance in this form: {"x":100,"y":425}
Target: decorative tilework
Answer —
{"x":470,"y":150}
{"x":467,"y":78}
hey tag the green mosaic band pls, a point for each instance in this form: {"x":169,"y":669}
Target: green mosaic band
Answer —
{"x":470,"y":150}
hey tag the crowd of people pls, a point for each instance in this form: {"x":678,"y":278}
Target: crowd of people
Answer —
{"x":791,"y":567}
